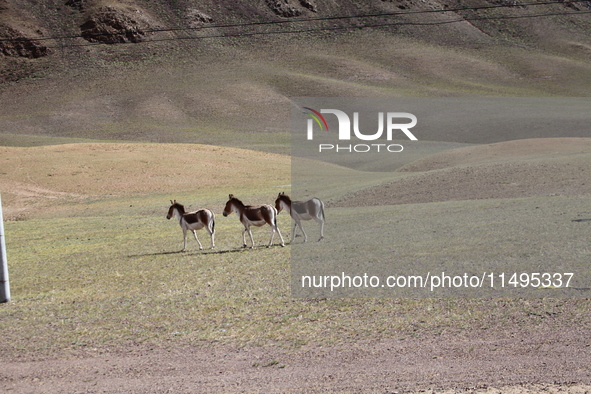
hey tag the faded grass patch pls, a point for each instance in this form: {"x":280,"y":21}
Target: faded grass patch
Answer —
{"x":59,"y":175}
{"x":118,"y":282}
{"x":104,"y":274}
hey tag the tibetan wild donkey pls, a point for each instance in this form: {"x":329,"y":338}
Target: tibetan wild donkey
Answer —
{"x":253,"y":216}
{"x":302,"y":210}
{"x":203,"y":218}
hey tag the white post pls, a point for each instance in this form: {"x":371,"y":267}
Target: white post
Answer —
{"x":4,"y":283}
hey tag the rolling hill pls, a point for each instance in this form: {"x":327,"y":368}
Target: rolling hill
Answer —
{"x":515,"y":169}
{"x":38,"y":181}
{"x":223,"y":72}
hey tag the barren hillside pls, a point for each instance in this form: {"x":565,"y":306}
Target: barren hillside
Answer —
{"x":513,"y":169}
{"x":198,"y":71}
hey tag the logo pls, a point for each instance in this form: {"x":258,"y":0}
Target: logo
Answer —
{"x":317,"y":117}
{"x":393,"y":123}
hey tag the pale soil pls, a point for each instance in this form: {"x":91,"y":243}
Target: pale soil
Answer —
{"x":489,"y":362}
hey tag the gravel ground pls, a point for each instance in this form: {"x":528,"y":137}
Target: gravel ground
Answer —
{"x":489,"y":361}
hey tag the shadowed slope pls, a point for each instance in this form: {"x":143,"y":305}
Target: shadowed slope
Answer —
{"x":514,"y":169}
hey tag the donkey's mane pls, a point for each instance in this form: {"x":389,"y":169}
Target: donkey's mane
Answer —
{"x":237,"y":200}
{"x":179,"y":206}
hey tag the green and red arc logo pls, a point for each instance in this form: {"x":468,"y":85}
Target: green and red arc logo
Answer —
{"x":317,"y":116}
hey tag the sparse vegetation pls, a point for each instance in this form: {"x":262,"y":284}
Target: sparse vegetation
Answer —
{"x":102,"y":269}
{"x":192,"y":115}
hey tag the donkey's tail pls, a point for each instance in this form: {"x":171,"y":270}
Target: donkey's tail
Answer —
{"x":212,"y":222}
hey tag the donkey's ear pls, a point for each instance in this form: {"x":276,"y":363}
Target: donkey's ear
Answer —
{"x":171,"y":202}
{"x":231,"y":196}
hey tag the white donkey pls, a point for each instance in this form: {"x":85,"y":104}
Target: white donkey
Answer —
{"x":204,"y":218}
{"x":302,"y":210}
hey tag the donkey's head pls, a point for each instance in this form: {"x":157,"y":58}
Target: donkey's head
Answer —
{"x":175,"y":207}
{"x":282,"y":199}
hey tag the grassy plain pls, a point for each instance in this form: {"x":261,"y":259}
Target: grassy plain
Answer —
{"x":95,"y":266}
{"x":110,"y":284}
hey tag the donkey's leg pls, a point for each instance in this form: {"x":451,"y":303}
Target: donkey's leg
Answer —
{"x":299,"y":223}
{"x":197,"y":239}
{"x":273,"y":229}
{"x":293,"y":232}
{"x":244,"y":237}
{"x":251,"y":240}
{"x":280,"y":237}
{"x":272,"y":236}
{"x":321,"y":221}
{"x":184,"y":240}
{"x":212,"y":236}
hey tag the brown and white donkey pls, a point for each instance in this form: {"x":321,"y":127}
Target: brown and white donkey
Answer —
{"x":253,"y":216}
{"x":192,"y":221}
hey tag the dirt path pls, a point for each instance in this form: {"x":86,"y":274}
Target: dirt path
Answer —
{"x":529,"y":361}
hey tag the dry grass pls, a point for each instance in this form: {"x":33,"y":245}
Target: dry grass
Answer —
{"x":513,"y":169}
{"x":503,"y":152}
{"x":60,"y":174}
{"x":104,"y":273}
